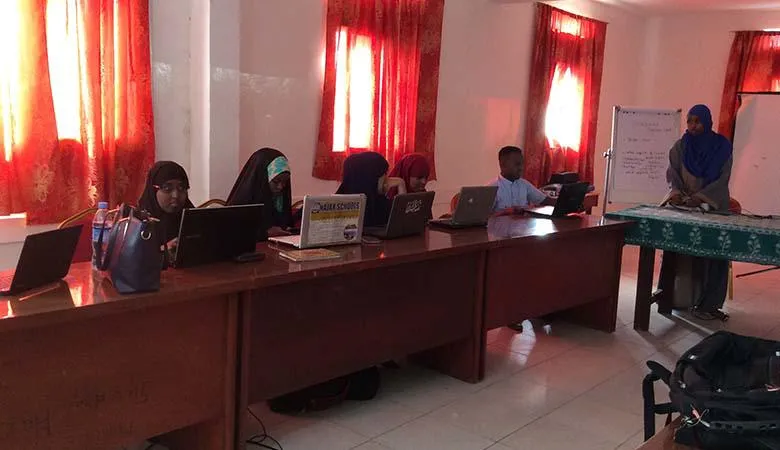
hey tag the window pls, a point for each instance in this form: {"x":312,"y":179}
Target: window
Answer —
{"x":75,"y":105}
{"x":563,"y":118}
{"x":355,"y":90}
{"x":380,"y":81}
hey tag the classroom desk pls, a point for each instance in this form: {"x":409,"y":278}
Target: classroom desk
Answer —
{"x":664,"y":439}
{"x":85,"y":368}
{"x":729,"y":237}
{"x":82,"y":367}
{"x":569,"y":265}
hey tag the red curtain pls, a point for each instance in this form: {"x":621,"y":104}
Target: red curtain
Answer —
{"x":566,"y":42}
{"x":398,"y":43}
{"x":76,"y":105}
{"x":754,"y":66}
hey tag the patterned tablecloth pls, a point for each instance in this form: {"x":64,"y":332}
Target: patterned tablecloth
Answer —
{"x":733,"y":237}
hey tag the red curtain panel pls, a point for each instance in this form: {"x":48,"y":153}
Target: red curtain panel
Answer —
{"x":76,"y":120}
{"x":564,"y":91}
{"x":381,"y":81}
{"x":754,"y":66}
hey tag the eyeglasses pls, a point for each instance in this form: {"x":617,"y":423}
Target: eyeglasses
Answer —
{"x":169,"y":188}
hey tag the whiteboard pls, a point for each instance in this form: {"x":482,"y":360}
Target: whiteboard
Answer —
{"x":755,"y":180}
{"x":639,"y":157}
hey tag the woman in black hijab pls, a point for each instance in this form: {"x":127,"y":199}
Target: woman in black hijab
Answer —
{"x":265,"y":179}
{"x":165,"y":197}
{"x":366,"y":173}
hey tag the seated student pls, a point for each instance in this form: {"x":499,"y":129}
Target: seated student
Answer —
{"x":165,"y":196}
{"x":265,"y":179}
{"x":515,"y":193}
{"x":366,"y":173}
{"x":414,"y":170}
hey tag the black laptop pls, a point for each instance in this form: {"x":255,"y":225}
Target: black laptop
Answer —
{"x":210,"y":235}
{"x":45,"y":259}
{"x":408,"y":216}
{"x":569,"y":201}
{"x":475,"y":205}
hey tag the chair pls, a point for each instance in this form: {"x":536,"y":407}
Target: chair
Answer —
{"x":454,"y":203}
{"x":83,"y":251}
{"x":735,"y":208}
{"x":213,"y":202}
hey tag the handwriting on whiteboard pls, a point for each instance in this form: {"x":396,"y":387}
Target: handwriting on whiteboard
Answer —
{"x":641,"y":151}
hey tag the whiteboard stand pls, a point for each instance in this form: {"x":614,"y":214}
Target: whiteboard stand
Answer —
{"x":608,"y":157}
{"x":638,"y":157}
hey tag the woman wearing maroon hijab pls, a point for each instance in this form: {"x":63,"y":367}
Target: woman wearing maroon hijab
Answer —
{"x":414,"y":170}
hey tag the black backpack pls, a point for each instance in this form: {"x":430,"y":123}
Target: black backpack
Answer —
{"x":360,"y":386}
{"x":727,"y":390}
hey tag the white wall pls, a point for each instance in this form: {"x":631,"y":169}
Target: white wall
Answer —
{"x":686,"y":57}
{"x":485,"y":62}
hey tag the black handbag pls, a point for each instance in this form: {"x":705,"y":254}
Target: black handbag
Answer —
{"x":133,"y":256}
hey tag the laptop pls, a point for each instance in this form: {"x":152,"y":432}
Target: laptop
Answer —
{"x":210,"y":235}
{"x":328,"y":220}
{"x":569,"y":201}
{"x":45,"y":259}
{"x":475,"y":205}
{"x":408,"y":216}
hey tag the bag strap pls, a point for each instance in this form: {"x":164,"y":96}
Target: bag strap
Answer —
{"x":104,"y":259}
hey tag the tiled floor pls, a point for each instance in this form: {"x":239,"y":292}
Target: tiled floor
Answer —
{"x":569,"y":388}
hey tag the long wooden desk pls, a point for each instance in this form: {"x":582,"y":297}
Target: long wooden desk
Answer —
{"x":734,"y":238}
{"x":86,"y":368}
{"x":82,"y":367}
{"x":664,"y":439}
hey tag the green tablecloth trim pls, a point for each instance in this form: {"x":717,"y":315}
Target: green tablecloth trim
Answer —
{"x":735,"y":238}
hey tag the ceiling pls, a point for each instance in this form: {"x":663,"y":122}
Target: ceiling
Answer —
{"x":699,"y":5}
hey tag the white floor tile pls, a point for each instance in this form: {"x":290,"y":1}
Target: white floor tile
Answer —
{"x":371,"y":418}
{"x":372,"y":446}
{"x":591,"y":417}
{"x":431,"y":434}
{"x":546,"y":434}
{"x":502,"y":408}
{"x":308,"y":434}
{"x":577,"y":370}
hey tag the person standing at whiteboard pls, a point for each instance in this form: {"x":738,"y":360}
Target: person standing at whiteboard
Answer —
{"x":515,"y":193}
{"x":699,"y":172}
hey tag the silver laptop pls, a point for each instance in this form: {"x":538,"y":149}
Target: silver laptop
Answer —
{"x":475,"y":205}
{"x":408,"y":216}
{"x":329,"y":220}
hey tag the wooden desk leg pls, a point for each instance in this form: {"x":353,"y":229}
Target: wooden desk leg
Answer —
{"x":665,"y":295}
{"x":644,"y":288}
{"x":464,"y":360}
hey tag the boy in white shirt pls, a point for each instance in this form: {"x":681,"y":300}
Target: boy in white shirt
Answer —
{"x":514,"y":193}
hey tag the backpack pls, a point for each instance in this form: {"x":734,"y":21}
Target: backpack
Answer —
{"x":727,"y":390}
{"x":361,"y":386}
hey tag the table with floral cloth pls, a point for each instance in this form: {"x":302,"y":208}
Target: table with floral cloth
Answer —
{"x":731,"y":237}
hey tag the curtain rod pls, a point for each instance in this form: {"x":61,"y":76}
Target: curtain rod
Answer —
{"x":759,"y":93}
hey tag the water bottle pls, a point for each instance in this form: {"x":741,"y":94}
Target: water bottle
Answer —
{"x":99,"y":225}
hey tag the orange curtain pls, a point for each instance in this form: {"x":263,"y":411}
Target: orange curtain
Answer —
{"x":399,"y":41}
{"x":76,"y":106}
{"x":754,"y":66}
{"x":566,"y":45}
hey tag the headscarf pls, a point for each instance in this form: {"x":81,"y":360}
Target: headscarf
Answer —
{"x":413,"y":165}
{"x":362,"y":172}
{"x":253,"y":187}
{"x":161,"y":173}
{"x":704,"y":155}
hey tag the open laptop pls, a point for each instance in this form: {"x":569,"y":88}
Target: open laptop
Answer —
{"x":569,"y":201}
{"x":210,"y":235}
{"x":45,"y":259}
{"x":329,"y":220}
{"x":408,"y":216}
{"x":475,"y":205}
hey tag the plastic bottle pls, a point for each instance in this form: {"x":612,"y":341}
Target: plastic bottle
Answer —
{"x":99,"y":224}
